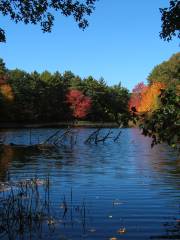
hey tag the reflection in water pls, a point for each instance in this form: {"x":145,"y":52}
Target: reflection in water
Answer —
{"x":6,"y":156}
{"x":125,"y":185}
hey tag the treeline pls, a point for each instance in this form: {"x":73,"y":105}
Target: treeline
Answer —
{"x":156,"y":106}
{"x":54,"y":97}
{"x":42,"y":97}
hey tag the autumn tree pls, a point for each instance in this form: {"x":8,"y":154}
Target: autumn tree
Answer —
{"x":164,"y":123}
{"x":6,"y":91}
{"x":150,"y":98}
{"x":157,"y":106}
{"x":41,"y":97}
{"x":136,"y":96}
{"x":3,"y":72}
{"x":79,"y":103}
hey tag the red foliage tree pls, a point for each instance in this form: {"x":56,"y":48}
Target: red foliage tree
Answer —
{"x":136,"y":95}
{"x":79,"y":103}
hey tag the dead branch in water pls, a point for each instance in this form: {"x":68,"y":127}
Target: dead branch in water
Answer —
{"x":98,"y":136}
{"x":118,"y":136}
{"x":68,"y":138}
{"x":57,"y":139}
{"x":92,"y":136}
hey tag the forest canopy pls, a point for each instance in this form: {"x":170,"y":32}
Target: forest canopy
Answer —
{"x":55,"y":97}
{"x":168,"y":72}
{"x":46,"y":97}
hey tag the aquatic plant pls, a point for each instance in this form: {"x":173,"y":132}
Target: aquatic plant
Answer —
{"x":25,"y":209}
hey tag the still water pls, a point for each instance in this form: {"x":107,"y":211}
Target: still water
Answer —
{"x":118,"y":190}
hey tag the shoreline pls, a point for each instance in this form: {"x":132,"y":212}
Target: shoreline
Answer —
{"x":59,"y":124}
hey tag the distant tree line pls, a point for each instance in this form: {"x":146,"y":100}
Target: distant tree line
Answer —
{"x":43,"y":97}
{"x":54,"y":97}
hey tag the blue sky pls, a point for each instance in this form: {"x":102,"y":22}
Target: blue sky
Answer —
{"x":122,"y":43}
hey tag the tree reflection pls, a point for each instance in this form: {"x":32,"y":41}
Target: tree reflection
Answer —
{"x":6,"y":156}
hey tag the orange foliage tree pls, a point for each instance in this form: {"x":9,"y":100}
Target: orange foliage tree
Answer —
{"x":136,"y":96}
{"x":79,"y":103}
{"x":6,"y":91}
{"x":150,"y":98}
{"x":145,"y":98}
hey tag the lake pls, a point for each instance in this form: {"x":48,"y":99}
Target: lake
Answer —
{"x":113,"y":190}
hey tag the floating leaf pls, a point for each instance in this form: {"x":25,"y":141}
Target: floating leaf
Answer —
{"x":117,"y":202}
{"x":50,"y":221}
{"x":121,"y":230}
{"x":92,"y":230}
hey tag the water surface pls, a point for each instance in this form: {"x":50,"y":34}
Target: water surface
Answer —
{"x":122,"y":190}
